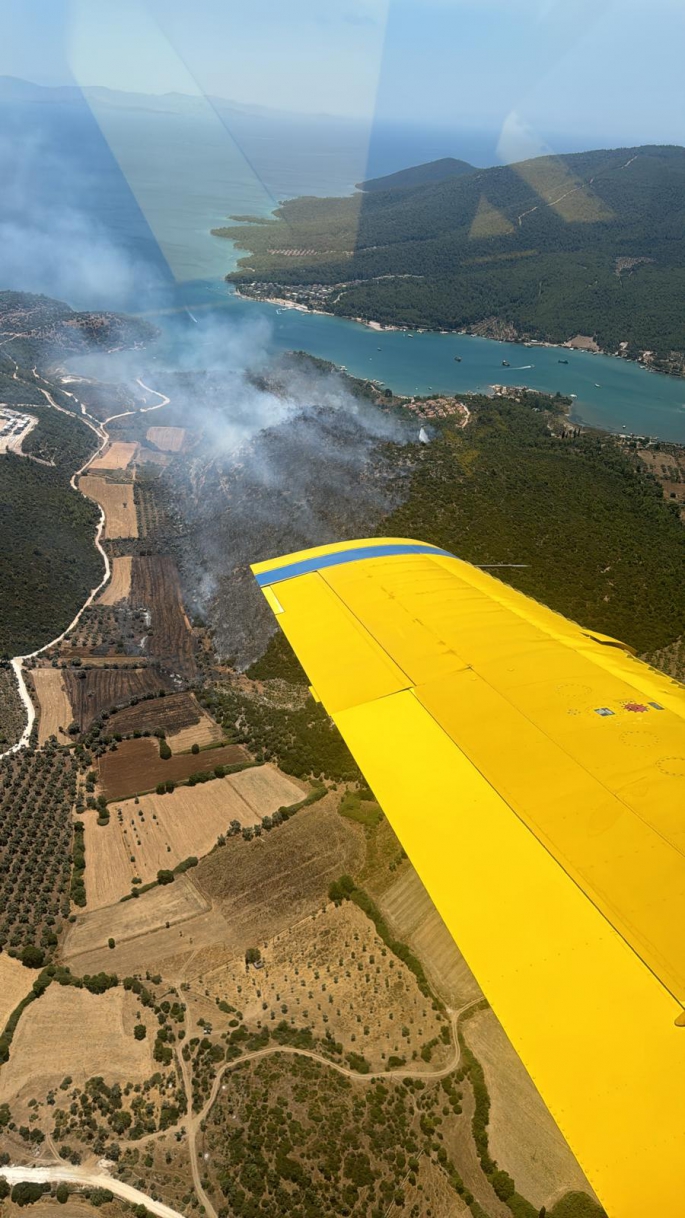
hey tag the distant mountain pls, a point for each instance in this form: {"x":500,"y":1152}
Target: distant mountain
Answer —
{"x":419,"y":175}
{"x":588,"y":244}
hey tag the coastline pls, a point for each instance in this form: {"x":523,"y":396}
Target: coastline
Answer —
{"x":588,"y":346}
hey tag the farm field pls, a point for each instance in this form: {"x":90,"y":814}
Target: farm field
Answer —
{"x":169,"y":439}
{"x":119,"y":585}
{"x":100,"y":1041}
{"x":116,"y":456}
{"x":103,"y":688}
{"x":416,"y":921}
{"x":173,"y":903}
{"x":331,"y":972}
{"x":268,"y":884}
{"x":162,"y":830}
{"x":155,"y":586}
{"x":55,"y":707}
{"x":205,"y":732}
{"x":523,"y":1137}
{"x":173,"y":714}
{"x":15,"y":983}
{"x":157,"y":948}
{"x":12,"y":712}
{"x":137,"y":766}
{"x":116,"y":500}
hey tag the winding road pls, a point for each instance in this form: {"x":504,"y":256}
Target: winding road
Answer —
{"x":101,"y":432}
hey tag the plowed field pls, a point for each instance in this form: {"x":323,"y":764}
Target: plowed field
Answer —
{"x":102,"y":688}
{"x":137,"y":766}
{"x":155,"y":587}
{"x":173,"y":713}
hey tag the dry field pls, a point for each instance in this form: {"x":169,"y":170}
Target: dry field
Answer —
{"x":169,"y":439}
{"x":268,"y":884}
{"x":155,"y":587}
{"x":119,"y":585}
{"x":15,"y":983}
{"x":116,"y":500}
{"x":416,"y":921}
{"x":170,"y":903}
{"x":136,"y":766}
{"x":55,"y":707}
{"x":332,"y":972}
{"x":150,"y":456}
{"x":173,"y":713}
{"x":206,"y":731}
{"x":103,"y":688}
{"x":69,"y":1031}
{"x":523,"y":1137}
{"x":167,"y":950}
{"x":117,"y":456}
{"x":162,"y":830}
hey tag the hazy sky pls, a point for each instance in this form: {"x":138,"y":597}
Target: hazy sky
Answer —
{"x":533,"y":69}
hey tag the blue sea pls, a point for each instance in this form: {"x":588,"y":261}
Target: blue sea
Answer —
{"x":112,"y":207}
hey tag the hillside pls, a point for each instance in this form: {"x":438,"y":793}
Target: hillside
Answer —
{"x":592,"y":243}
{"x":419,"y":175}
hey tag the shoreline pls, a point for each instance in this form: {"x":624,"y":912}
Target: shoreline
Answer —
{"x":386,"y":327}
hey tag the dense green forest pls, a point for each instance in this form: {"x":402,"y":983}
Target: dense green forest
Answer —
{"x":48,"y":562}
{"x":591,"y":243}
{"x":601,"y":544}
{"x":419,"y":175}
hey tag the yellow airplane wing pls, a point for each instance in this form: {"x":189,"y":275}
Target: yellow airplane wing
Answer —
{"x":535,"y":775}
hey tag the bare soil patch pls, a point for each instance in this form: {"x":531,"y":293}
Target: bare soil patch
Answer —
{"x":169,"y":439}
{"x":117,"y":456}
{"x":332,"y":972}
{"x":162,"y":830}
{"x":136,"y":766}
{"x":119,"y":585}
{"x":116,"y":500}
{"x":155,"y":587}
{"x":523,"y":1136}
{"x":70,"y":1031}
{"x":98,"y":689}
{"x":416,"y":921}
{"x":54,"y":705}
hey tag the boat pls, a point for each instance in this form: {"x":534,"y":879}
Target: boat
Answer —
{"x":562,"y":361}
{"x":457,"y":359}
{"x":505,"y":363}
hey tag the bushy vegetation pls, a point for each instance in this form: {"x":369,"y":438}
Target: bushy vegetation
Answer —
{"x":12,"y":712}
{"x":302,"y":740}
{"x":599,"y":542}
{"x":279,"y":662}
{"x":48,"y":562}
{"x":452,"y":254}
{"x":290,"y":1136}
{"x":37,"y":791}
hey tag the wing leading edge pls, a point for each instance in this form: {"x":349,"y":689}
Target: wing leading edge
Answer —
{"x":535,"y":775}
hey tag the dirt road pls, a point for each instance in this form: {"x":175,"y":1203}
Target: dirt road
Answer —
{"x":101,"y":432}
{"x":87,"y":1179}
